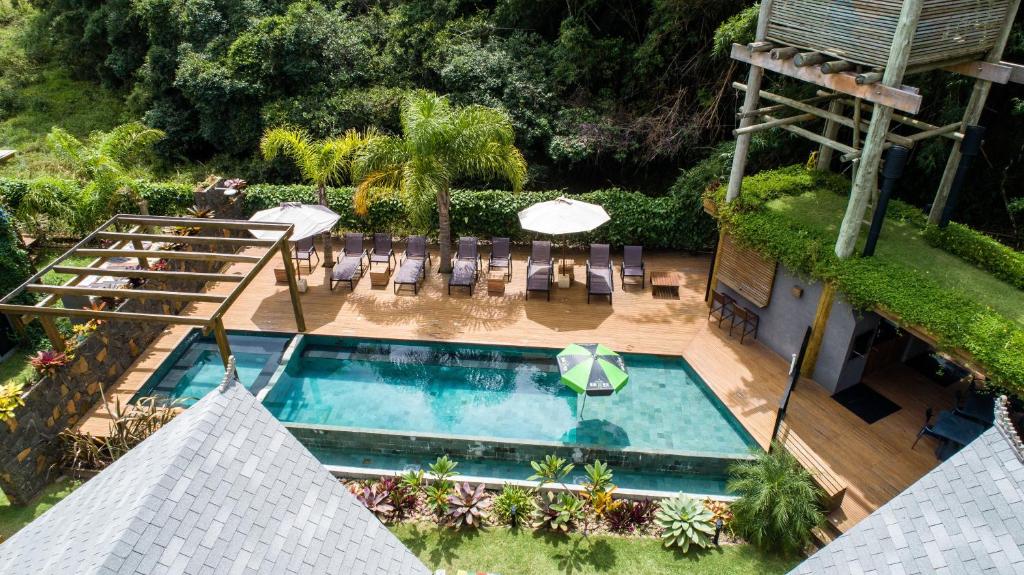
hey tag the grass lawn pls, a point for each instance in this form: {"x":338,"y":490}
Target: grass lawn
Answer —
{"x":903,"y":243}
{"x":512,"y":552}
{"x":14,"y":518}
{"x":16,"y":368}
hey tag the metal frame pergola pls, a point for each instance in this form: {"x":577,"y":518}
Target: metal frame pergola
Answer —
{"x":127,"y":234}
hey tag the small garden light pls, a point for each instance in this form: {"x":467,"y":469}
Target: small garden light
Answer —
{"x":719,"y":524}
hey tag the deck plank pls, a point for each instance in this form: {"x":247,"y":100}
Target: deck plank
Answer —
{"x":875,"y":460}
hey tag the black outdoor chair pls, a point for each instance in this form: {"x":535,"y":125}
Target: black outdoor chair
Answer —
{"x":350,"y":266}
{"x":633,"y":265}
{"x":501,"y":257}
{"x":722,"y":306}
{"x":305,"y":249}
{"x":600,"y":280}
{"x":976,"y":406}
{"x":382,"y":252}
{"x":539,"y":268}
{"x":414,"y":265}
{"x":465,"y":265}
{"x":748,"y":321}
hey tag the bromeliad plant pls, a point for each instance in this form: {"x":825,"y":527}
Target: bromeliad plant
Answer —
{"x":46,"y":362}
{"x":129,"y":426}
{"x":598,"y":490}
{"x":466,"y":506}
{"x":376,"y":499}
{"x":685,"y":521}
{"x":630,"y":516}
{"x":561,"y":512}
{"x":513,"y":506}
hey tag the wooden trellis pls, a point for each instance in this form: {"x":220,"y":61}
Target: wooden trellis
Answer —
{"x":126,"y":234}
{"x":860,"y":53}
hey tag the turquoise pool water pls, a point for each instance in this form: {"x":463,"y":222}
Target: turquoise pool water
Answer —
{"x":195,"y":367}
{"x":512,"y":394}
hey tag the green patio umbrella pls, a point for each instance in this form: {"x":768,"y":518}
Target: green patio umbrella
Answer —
{"x":592,"y":369}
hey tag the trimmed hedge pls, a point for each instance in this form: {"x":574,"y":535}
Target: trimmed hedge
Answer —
{"x":975,"y":247}
{"x":959,"y":322}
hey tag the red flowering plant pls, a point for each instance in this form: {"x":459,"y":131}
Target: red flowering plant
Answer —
{"x":46,"y":362}
{"x":235,"y":184}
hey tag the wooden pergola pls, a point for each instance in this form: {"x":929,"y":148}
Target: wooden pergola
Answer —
{"x":126,"y":234}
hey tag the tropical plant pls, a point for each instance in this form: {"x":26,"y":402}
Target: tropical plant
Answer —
{"x":46,"y":362}
{"x":778,"y":502}
{"x":110,"y":165}
{"x":514,"y":505}
{"x":720,"y":511}
{"x":552,"y":469}
{"x":10,"y":398}
{"x":129,"y":426}
{"x":442,"y":470}
{"x":413,"y":480}
{"x":320,"y":162}
{"x":685,"y":521}
{"x":466,"y":506}
{"x":376,"y":499}
{"x":440,"y":144}
{"x":561,"y":512}
{"x":401,"y":496}
{"x":630,"y":516}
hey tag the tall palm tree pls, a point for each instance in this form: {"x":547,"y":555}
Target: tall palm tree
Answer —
{"x":320,"y":162}
{"x":439,"y":144}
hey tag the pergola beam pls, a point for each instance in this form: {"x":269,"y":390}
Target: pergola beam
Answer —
{"x":126,"y":293}
{"x":202,"y":223}
{"x":173,"y":239}
{"x":168,"y":254}
{"x":147,"y":274}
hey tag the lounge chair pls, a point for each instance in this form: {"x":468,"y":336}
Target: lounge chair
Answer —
{"x":305,"y":249}
{"x":539,"y":268}
{"x":599,"y":272}
{"x":382,"y":252}
{"x":350,"y":266}
{"x":465,"y":265}
{"x":414,"y":265}
{"x":501,"y":257}
{"x":633,"y":265}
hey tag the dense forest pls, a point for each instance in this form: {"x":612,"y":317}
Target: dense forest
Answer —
{"x":601,"y":93}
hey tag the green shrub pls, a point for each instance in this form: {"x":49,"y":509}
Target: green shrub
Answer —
{"x":685,"y":521}
{"x":778,"y":501}
{"x":513,"y":505}
{"x":975,"y":247}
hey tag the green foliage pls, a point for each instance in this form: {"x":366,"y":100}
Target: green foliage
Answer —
{"x":988,"y":254}
{"x":896,"y":279}
{"x":466,"y":505}
{"x":684,"y":521}
{"x":778,"y":501}
{"x":559,"y":512}
{"x":14,"y":261}
{"x":514,"y":505}
{"x":443,"y":470}
{"x":10,"y":398}
{"x":552,"y":469}
{"x":736,"y":30}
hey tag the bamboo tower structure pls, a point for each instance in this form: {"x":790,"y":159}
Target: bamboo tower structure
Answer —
{"x":860,"y":53}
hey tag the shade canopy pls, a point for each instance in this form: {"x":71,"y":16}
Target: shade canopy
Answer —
{"x":562,"y":216}
{"x":592,"y":368}
{"x":309,"y":220}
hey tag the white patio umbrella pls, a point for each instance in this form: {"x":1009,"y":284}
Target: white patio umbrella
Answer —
{"x":561,"y":217}
{"x":308,"y":219}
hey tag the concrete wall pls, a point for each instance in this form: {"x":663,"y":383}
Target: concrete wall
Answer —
{"x":29,"y":451}
{"x":787,"y":316}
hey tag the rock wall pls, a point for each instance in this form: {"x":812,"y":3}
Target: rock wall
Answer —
{"x":29,"y":452}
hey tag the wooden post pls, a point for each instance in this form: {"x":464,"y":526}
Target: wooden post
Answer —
{"x":222,"y":340}
{"x":821,"y":315}
{"x":750,"y":103}
{"x":867,"y":171}
{"x":972,"y":115}
{"x":830,"y":133}
{"x":713,"y":282}
{"x":293,"y":286}
{"x":52,"y":333}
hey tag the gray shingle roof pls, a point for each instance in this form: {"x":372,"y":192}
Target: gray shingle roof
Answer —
{"x":965,"y":516}
{"x":224,"y":488}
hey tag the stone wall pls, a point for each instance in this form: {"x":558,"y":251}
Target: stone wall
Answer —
{"x":29,"y":453}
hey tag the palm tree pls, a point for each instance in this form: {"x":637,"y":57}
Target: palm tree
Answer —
{"x":111,"y":166}
{"x":440,"y":144}
{"x":320,"y":162}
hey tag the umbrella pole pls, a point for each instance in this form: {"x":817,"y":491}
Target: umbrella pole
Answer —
{"x":579,"y":416}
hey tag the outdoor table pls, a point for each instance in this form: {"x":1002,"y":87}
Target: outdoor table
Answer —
{"x":960,"y":430}
{"x":667,"y":281}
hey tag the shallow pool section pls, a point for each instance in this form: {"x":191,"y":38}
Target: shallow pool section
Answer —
{"x":499,"y":393}
{"x":195,"y":367}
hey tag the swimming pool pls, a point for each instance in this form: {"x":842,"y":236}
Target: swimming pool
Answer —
{"x":195,"y":367}
{"x":504,"y":393}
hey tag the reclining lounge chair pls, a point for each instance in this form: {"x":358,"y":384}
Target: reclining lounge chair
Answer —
{"x":633,"y":265}
{"x":465,"y":265}
{"x":304,"y":252}
{"x":415,"y":264}
{"x":599,"y":272}
{"x":382,"y":252}
{"x":350,"y":265}
{"x":539,"y":268}
{"x":501,"y":257}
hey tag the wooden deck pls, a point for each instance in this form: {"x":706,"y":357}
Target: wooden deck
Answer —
{"x":875,"y":460}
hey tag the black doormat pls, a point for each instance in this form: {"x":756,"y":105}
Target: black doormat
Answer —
{"x":866,"y":403}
